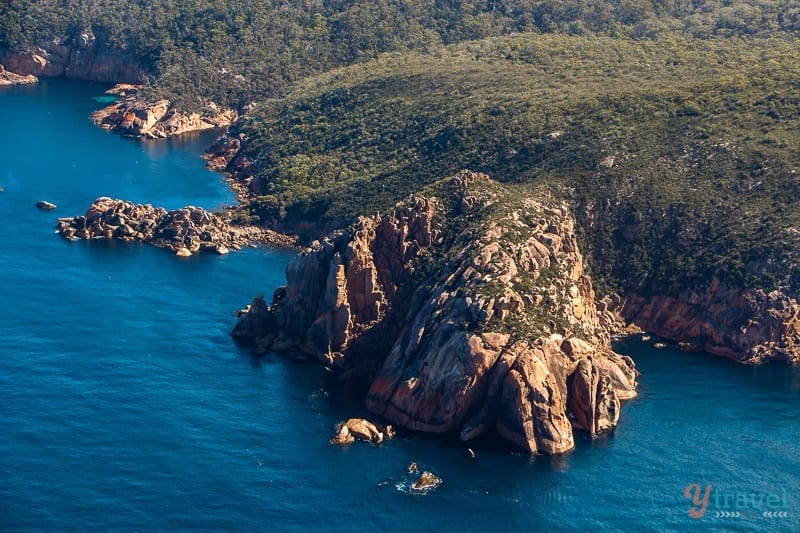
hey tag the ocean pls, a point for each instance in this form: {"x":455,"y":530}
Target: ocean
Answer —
{"x":125,"y":404}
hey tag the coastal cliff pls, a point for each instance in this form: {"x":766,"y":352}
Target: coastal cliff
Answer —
{"x":80,"y":58}
{"x":468,"y":309}
{"x":747,"y":325}
{"x":136,"y":115}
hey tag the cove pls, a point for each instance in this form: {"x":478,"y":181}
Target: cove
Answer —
{"x":124,"y":404}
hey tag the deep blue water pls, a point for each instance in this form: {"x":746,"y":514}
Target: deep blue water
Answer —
{"x":124,"y":404}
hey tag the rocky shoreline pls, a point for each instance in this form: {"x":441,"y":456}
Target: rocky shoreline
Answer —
{"x":135,"y":115}
{"x":11,"y":78}
{"x":183,"y":231}
{"x":488,"y":329}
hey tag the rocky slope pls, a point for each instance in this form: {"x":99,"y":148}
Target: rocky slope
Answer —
{"x":183,"y":231}
{"x":80,"y":58}
{"x":137,"y":116}
{"x":11,"y":78}
{"x":480,"y":300}
{"x":748,"y":325}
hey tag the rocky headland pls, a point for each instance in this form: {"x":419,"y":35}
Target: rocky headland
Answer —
{"x":747,"y":325}
{"x":136,"y":115}
{"x":183,"y":231}
{"x":468,"y":310}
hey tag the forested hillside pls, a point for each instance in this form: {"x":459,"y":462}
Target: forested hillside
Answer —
{"x":238,"y":51}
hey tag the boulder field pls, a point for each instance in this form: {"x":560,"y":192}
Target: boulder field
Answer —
{"x":183,"y":231}
{"x":469,"y":311}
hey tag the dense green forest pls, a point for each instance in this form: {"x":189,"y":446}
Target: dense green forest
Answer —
{"x":679,"y":154}
{"x":235,"y":52}
{"x":673,"y":126}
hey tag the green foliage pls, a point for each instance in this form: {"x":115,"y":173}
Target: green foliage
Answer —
{"x":235,"y":52}
{"x":703,"y":135}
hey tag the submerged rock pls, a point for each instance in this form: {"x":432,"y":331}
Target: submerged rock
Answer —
{"x":425,"y":483}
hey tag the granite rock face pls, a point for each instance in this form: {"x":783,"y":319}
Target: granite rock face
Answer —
{"x":468,"y":323}
{"x":136,"y":116}
{"x":747,"y":325}
{"x":11,"y":78}
{"x":183,"y":231}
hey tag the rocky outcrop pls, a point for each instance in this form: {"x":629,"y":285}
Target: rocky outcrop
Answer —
{"x":358,"y":428}
{"x":489,"y":322}
{"x":44,"y":205}
{"x":136,"y":115}
{"x":10,"y":78}
{"x":183,"y":231}
{"x":748,"y":325}
{"x":81,"y":58}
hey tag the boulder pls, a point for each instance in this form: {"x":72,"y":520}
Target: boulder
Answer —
{"x":360,"y":429}
{"x":45,"y":205}
{"x":425,"y":483}
{"x":183,"y":231}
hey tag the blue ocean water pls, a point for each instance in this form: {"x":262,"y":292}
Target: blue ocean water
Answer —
{"x":124,"y":404}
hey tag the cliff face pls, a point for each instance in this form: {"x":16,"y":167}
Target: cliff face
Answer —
{"x":748,"y":325}
{"x":137,"y":116}
{"x":489,"y":322}
{"x":80,"y":58}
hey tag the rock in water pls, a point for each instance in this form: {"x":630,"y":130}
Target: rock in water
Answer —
{"x":343,"y":436}
{"x":183,"y":231}
{"x":357,"y":428}
{"x":45,"y":205}
{"x":10,"y":78}
{"x":472,"y":318}
{"x":426,"y":482}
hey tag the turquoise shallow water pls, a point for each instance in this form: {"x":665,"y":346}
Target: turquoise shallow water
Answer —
{"x":125,"y":405}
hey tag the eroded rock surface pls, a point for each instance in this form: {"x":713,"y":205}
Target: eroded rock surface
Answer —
{"x":489,"y":322}
{"x":748,"y":325}
{"x":137,"y":116}
{"x":183,"y":231}
{"x":79,"y":58}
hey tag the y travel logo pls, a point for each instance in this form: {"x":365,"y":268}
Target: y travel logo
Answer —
{"x":708,"y":501}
